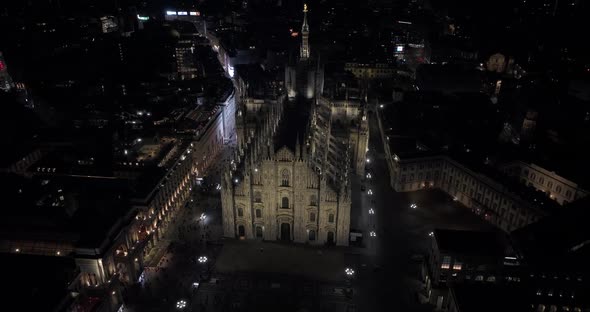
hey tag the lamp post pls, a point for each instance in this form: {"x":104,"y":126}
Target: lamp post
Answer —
{"x":349,"y":275}
{"x":203,"y":260}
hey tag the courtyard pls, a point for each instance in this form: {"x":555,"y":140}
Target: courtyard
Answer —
{"x":313,"y":263}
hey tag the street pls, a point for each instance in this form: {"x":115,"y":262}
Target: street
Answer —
{"x":388,"y":278}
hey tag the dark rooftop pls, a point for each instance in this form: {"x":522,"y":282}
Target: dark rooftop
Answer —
{"x":37,"y":283}
{"x":563,"y":238}
{"x":293,"y":125}
{"x":79,"y":210}
{"x":470,"y":242}
{"x":489,"y":298}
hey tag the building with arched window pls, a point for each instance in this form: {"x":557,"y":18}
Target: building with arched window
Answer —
{"x":291,"y":169}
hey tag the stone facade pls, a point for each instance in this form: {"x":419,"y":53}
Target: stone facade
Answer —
{"x":282,"y":198}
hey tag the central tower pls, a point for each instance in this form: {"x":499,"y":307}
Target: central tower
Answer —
{"x":304,"y":51}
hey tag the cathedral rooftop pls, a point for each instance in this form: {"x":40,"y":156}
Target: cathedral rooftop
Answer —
{"x":293,"y":125}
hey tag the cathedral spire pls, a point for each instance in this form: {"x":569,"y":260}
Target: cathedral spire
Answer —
{"x":297,"y":148}
{"x":304,"y":52}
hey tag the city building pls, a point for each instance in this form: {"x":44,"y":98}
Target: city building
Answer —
{"x":185,"y":59}
{"x":558,"y":188}
{"x":108,"y":24}
{"x":6,"y":82}
{"x":285,"y":183}
{"x":487,"y":298}
{"x":460,"y":257}
{"x":490,"y":194}
{"x":304,"y":76}
{"x":370,"y":70}
{"x":279,"y":195}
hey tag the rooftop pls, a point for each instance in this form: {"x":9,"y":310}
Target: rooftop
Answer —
{"x":563,"y":238}
{"x":485,"y":298}
{"x":37,"y":283}
{"x":76,"y":210}
{"x":470,"y":242}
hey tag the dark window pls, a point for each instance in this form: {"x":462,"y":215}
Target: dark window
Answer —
{"x":258,"y":213}
{"x":285,"y":202}
{"x":311,"y":235}
{"x":331,"y":218}
{"x":285,"y":178}
{"x":312,"y":217}
{"x":313,"y":200}
{"x":240,"y":212}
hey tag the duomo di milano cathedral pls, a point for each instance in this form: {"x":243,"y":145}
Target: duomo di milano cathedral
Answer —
{"x":295,"y":156}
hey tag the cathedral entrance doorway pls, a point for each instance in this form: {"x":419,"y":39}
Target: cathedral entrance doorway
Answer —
{"x":330,"y":238}
{"x":285,"y":232}
{"x":241,"y":231}
{"x":258,"y":232}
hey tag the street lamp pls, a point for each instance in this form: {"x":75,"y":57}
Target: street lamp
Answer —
{"x":202,"y":259}
{"x":431,"y":234}
{"x":413,"y":206}
{"x":349,"y":272}
{"x":203,"y":217}
{"x":370,"y":192}
{"x":371,"y":211}
{"x":368,"y":175}
{"x":373,"y":234}
{"x":181,"y":304}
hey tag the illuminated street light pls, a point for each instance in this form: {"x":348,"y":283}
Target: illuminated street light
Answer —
{"x":373,"y":234}
{"x":236,"y":180}
{"x":381,"y":106}
{"x":181,"y":304}
{"x":202,"y":259}
{"x":368,"y":160}
{"x":369,"y":176}
{"x":370,"y":192}
{"x":431,"y":234}
{"x":203,"y":217}
{"x":413,"y":206}
{"x":349,"y":271}
{"x":371,"y":211}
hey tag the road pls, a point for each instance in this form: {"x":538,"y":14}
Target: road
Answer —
{"x":388,"y":278}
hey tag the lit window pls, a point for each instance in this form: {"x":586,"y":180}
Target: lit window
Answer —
{"x":457,"y":266}
{"x":446,"y":263}
{"x":479,"y":278}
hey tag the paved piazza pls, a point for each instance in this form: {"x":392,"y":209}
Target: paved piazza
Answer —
{"x":315,"y":263}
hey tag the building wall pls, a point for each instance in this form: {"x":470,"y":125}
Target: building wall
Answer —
{"x":557,"y":187}
{"x":487,"y":198}
{"x":313,"y":207}
{"x":370,"y":71}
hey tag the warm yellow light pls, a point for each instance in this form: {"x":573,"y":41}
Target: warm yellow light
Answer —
{"x":305,"y":7}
